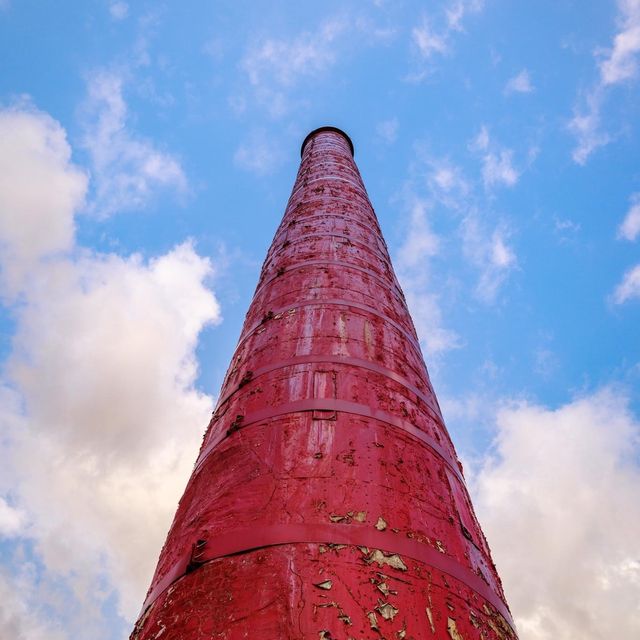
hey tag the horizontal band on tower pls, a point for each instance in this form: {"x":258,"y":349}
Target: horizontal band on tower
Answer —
{"x":330,"y":129}
{"x":263,"y":537}
{"x":333,"y":302}
{"x":363,"y":222}
{"x":311,"y":196}
{"x":305,"y":184}
{"x":336,"y":263}
{"x":341,"y":361}
{"x":377,"y":251}
{"x":343,"y":406}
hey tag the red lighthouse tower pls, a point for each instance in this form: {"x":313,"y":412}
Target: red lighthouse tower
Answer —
{"x":327,"y":501}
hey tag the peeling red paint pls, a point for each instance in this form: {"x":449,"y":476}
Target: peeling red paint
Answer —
{"x":327,"y":500}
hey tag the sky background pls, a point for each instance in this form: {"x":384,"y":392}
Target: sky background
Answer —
{"x":147,"y":151}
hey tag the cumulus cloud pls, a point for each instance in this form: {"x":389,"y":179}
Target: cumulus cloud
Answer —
{"x":20,"y":617}
{"x":617,"y":65}
{"x":559,"y":499}
{"x":11,"y":519}
{"x":630,"y":227}
{"x":127,"y":169}
{"x":34,"y":222}
{"x":104,"y":361}
{"x":629,"y":287}
{"x":98,"y":402}
{"x":520,"y":83}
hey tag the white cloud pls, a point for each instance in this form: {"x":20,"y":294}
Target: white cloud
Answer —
{"x":387,"y":130}
{"x":11,"y":519}
{"x":566,"y":226}
{"x":481,"y":141}
{"x":630,"y":227}
{"x":621,"y":61}
{"x":444,"y":177}
{"x":520,"y":83}
{"x":501,"y":255}
{"x":618,"y":64}
{"x":104,"y":361}
{"x":498,"y":169}
{"x":586,"y":127}
{"x":629,"y":287}
{"x":420,"y":245}
{"x":119,"y":10}
{"x":258,"y":154}
{"x":285,"y":61}
{"x":421,"y":242}
{"x":34,"y":223}
{"x":98,"y":403}
{"x":127,"y":169}
{"x":430,"y":41}
{"x":497,"y":161}
{"x":372,"y":32}
{"x":275,"y":66}
{"x":490,"y":253}
{"x":559,"y":501}
{"x":446,"y":184}
{"x":21,"y":617}
{"x":438,"y":186}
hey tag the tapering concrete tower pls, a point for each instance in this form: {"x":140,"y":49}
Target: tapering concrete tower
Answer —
{"x":327,"y":501}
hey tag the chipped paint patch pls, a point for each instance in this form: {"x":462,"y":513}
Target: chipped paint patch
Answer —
{"x":344,"y":617}
{"x":326,"y":585}
{"x":453,"y":630}
{"x":373,"y":620}
{"x":387,"y":610}
{"x":430,"y":616}
{"x":393,"y":560}
{"x":381,"y":525}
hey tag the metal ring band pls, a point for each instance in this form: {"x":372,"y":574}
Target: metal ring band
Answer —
{"x":246,"y":540}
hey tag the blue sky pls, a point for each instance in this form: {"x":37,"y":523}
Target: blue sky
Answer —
{"x":147,"y":151}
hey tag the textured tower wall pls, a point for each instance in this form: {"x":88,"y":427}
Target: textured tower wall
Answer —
{"x":327,"y":500}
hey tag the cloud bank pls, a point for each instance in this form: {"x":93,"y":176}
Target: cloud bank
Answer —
{"x":101,"y":419}
{"x":559,"y":501}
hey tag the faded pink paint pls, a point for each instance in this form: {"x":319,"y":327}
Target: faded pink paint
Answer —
{"x":327,"y":500}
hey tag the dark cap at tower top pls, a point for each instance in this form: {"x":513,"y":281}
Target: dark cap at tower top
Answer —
{"x":319,"y":130}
